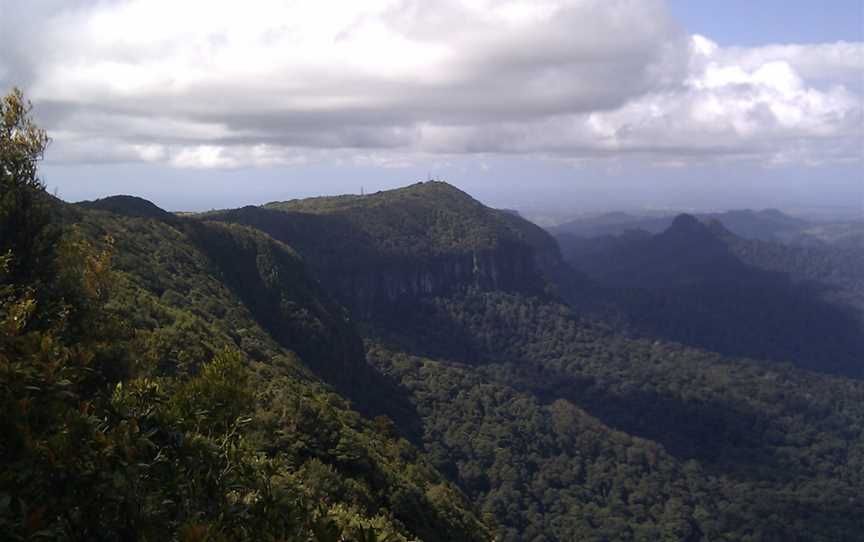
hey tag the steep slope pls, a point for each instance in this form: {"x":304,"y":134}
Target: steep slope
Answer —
{"x":300,"y":458}
{"x":699,"y":284}
{"x":573,"y":433}
{"x":560,"y":427}
{"x":426,"y":239}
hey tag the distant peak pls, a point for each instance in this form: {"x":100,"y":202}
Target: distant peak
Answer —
{"x":127,"y":206}
{"x":687,"y":226}
{"x":686,"y":221}
{"x":432,"y":189}
{"x":423,"y":194}
{"x":431,"y":185}
{"x":709,"y":231}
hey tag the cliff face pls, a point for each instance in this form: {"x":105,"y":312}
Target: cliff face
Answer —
{"x":359,"y":249}
{"x":283,"y":298}
{"x":241,"y":279}
{"x":510,"y":268}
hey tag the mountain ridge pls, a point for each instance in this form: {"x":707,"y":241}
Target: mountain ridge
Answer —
{"x":699,"y":283}
{"x":764,"y":224}
{"x":424,"y":239}
{"x":460,"y":355}
{"x":532,"y":405}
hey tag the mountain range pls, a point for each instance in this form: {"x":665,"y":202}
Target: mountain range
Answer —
{"x":416,"y":365}
{"x":764,"y":225}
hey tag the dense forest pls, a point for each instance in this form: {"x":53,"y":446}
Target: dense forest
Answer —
{"x":143,"y":400}
{"x":413,"y":365}
{"x":559,"y":418}
{"x":699,"y":284}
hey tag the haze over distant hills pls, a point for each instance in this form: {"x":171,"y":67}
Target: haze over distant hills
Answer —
{"x":698,"y":283}
{"x":766,"y":225}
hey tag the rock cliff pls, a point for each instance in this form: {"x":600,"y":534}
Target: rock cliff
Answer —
{"x":357,"y":245}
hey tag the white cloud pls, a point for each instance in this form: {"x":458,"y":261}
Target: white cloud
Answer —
{"x":204,"y":156}
{"x":206,"y":84}
{"x":730,"y":106}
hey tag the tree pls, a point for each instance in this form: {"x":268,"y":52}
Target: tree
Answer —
{"x":24,"y":216}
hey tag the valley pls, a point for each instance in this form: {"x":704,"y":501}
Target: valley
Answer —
{"x":569,"y":402}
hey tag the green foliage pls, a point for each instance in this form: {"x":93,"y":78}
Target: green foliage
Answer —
{"x":23,"y":213}
{"x":159,"y":379}
{"x":217,"y":397}
{"x":143,"y":400}
{"x":22,"y":143}
{"x":427,"y":238}
{"x":421,"y":220}
{"x":241,"y":455}
{"x":562,"y":428}
{"x":564,"y":431}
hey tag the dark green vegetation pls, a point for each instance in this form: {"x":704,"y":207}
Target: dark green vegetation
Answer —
{"x":189,"y":377}
{"x":562,"y":427}
{"x":153,"y":384}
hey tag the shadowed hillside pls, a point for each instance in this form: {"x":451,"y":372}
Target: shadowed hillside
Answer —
{"x":154,"y":372}
{"x":766,"y":225}
{"x":699,"y":284}
{"x":561,"y":426}
{"x":427,"y":239}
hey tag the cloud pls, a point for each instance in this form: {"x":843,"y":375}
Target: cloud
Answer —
{"x":204,"y":84}
{"x":732,"y":105}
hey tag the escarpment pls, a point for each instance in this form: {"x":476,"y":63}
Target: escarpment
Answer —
{"x":358,"y":248}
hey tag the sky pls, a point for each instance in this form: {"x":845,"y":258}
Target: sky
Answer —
{"x":557,"y":106}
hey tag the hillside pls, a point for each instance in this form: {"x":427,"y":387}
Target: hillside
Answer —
{"x":426,"y":239}
{"x":176,"y":394}
{"x":560,"y":426}
{"x":764,"y":225}
{"x":699,"y":284}
{"x":131,"y":206}
{"x":413,"y":365}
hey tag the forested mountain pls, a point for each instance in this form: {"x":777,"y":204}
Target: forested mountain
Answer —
{"x":155,"y":383}
{"x":429,"y":238}
{"x":413,"y":365}
{"x":699,"y":284}
{"x":559,"y":424}
{"x":765,"y":225}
